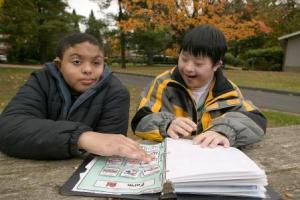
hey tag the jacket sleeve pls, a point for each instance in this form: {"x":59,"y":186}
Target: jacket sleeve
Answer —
{"x":115,"y":113}
{"x":148,"y":123}
{"x":242,"y":126}
{"x":25,"y":131}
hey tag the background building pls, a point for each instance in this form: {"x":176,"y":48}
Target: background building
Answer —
{"x":291,"y":46}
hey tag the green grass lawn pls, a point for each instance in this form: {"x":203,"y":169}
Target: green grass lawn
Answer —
{"x":12,"y":78}
{"x":285,"y":81}
{"x":10,"y":81}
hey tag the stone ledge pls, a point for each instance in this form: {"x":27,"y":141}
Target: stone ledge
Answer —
{"x":278,"y":154}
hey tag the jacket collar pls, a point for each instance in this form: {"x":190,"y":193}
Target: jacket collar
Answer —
{"x":222,"y":84}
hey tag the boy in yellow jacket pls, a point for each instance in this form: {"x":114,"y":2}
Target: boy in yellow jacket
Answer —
{"x":196,"y":99}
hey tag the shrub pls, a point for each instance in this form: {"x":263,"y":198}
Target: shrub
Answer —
{"x":233,"y":61}
{"x":161,"y":59}
{"x":264,"y":59}
{"x":113,"y":59}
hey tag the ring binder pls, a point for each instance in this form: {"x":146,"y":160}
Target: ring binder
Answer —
{"x":167,"y":189}
{"x":171,"y":186}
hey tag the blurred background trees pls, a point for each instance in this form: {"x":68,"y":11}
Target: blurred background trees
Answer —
{"x":32,"y":28}
{"x":150,"y":31}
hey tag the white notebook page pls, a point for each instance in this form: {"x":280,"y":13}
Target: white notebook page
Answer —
{"x":185,"y":160}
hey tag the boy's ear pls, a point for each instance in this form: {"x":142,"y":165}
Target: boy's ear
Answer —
{"x":218,"y":65}
{"x":57,"y":62}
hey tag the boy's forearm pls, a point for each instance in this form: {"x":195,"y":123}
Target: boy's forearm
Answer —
{"x":238,"y":128}
{"x":33,"y":138}
{"x":154,"y":126}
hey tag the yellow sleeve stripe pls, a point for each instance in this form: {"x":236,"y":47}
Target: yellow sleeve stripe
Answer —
{"x":148,"y":96}
{"x":233,"y":102}
{"x":179,"y":112}
{"x":213,"y":106}
{"x":153,"y":135}
{"x":161,"y":87}
{"x":210,"y":99}
{"x":206,"y":120}
{"x":248,"y":106}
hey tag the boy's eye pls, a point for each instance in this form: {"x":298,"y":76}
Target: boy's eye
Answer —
{"x":198,"y":64}
{"x":97,"y":62}
{"x":76,"y":62}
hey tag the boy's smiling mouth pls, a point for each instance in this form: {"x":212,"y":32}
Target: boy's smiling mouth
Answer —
{"x":190,"y":77}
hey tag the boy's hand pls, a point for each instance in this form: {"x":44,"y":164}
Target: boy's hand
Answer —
{"x":211,"y":139}
{"x":112,"y":144}
{"x":181,"y":126}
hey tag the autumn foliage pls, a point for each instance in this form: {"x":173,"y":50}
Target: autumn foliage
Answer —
{"x":178,"y":15}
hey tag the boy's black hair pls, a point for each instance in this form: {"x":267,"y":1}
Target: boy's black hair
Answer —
{"x":73,"y":39}
{"x":205,"y":40}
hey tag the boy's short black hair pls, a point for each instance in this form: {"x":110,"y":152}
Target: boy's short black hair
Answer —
{"x":73,"y":39}
{"x":205,"y":40}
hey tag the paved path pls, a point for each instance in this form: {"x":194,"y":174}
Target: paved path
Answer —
{"x":263,"y":99}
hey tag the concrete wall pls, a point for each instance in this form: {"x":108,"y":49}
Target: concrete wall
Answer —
{"x":292,"y":54}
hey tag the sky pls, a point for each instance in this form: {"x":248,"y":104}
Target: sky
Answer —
{"x":84,"y":7}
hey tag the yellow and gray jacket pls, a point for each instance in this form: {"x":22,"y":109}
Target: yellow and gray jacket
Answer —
{"x":224,"y":111}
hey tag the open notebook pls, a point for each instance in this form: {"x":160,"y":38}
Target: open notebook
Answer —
{"x":179,"y":167}
{"x":220,"y":171}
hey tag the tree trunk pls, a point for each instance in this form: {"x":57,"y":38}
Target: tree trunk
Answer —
{"x":149,"y":58}
{"x":123,"y":50}
{"x":122,"y":37}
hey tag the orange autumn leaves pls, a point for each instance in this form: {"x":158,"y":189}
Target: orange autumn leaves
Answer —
{"x":175,"y":16}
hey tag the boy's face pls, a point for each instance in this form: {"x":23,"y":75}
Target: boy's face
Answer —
{"x":82,"y":66}
{"x":195,"y":71}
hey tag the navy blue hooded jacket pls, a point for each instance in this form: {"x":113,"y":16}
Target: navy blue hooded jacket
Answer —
{"x":43,"y":121}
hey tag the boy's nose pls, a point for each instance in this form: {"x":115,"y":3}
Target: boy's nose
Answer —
{"x":189,"y":66}
{"x":87,"y":68}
